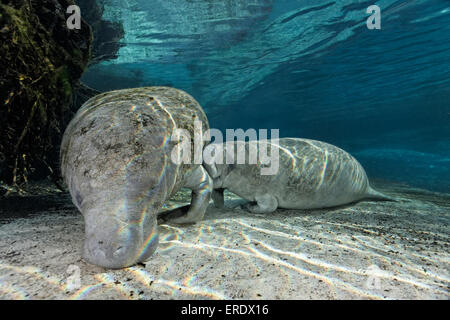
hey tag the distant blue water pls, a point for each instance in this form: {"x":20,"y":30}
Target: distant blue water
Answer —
{"x":310,"y":68}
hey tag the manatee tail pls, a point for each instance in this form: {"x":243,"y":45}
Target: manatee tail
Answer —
{"x":375,"y":195}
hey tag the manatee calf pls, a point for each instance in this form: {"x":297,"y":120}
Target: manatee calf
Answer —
{"x":116,"y":160}
{"x":309,"y":174}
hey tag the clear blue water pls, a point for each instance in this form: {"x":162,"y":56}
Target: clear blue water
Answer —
{"x":310,"y":68}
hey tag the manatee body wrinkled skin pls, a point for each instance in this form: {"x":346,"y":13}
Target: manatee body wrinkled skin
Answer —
{"x":311,"y":175}
{"x":116,"y":161}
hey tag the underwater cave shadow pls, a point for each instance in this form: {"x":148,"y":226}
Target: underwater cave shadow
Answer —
{"x":24,"y":206}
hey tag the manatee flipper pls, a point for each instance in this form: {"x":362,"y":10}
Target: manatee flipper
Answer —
{"x":211,"y":168}
{"x":375,"y":195}
{"x":216,"y":194}
{"x":266,"y":203}
{"x":218,"y":197}
{"x":201,"y":185}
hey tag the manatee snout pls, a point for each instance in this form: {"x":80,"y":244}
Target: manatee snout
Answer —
{"x":119,"y":242}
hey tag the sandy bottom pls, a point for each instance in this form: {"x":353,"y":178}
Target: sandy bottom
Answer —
{"x":369,"y":250}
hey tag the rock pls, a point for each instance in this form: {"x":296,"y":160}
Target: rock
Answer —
{"x":42,"y":61}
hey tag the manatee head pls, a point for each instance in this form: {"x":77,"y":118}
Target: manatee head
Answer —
{"x":119,"y":232}
{"x":119,"y":203}
{"x":219,"y":160}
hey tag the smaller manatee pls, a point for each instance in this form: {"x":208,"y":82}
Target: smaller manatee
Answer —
{"x":311,"y":174}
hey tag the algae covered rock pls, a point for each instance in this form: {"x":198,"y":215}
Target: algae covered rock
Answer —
{"x":41,"y":61}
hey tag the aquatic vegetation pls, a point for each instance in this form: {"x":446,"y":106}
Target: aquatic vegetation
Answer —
{"x":43,"y":61}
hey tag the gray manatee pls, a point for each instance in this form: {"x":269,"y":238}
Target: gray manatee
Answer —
{"x":116,"y":161}
{"x":310,"y":174}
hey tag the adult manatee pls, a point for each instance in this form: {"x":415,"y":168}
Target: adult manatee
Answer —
{"x":116,"y":160}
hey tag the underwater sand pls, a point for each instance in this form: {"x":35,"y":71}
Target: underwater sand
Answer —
{"x":369,"y":250}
